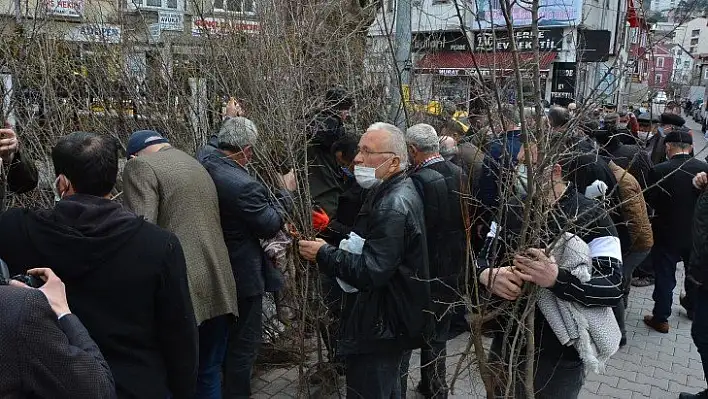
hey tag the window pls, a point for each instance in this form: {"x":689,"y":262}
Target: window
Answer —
{"x":659,"y":62}
{"x":177,"y":5}
{"x":239,"y":6}
{"x":696,"y":32}
{"x":390,"y":5}
{"x":692,"y":50}
{"x":694,"y":41}
{"x":687,"y":64}
{"x":657,"y":79}
{"x":705,"y":74}
{"x":440,"y":2}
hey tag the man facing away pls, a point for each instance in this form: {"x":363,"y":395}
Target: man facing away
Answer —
{"x":248,"y":214}
{"x":125,"y":278}
{"x":673,"y":198}
{"x":440,"y":184}
{"x":173,"y":190}
{"x":386,"y":307}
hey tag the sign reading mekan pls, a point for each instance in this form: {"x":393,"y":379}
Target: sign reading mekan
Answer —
{"x":99,"y":33}
{"x":170,"y":20}
{"x":65,"y":8}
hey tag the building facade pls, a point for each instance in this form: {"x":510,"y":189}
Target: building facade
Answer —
{"x":661,"y":68}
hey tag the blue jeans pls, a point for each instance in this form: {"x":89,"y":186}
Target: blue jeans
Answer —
{"x":212,"y":349}
{"x":374,"y":375}
{"x":665,"y":260}
{"x":245,"y":336}
{"x":699,"y":328}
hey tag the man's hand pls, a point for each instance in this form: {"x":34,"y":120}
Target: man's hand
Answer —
{"x":537,"y":268}
{"x":8,"y":144}
{"x":504,"y":282}
{"x":53,"y":289}
{"x":700,"y":181}
{"x":309,"y":249}
{"x":233,"y":109}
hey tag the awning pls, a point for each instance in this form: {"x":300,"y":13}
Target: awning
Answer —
{"x":486,"y":61}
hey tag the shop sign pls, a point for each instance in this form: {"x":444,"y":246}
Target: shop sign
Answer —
{"x":564,"y":80}
{"x":222,"y":26}
{"x":490,"y":13}
{"x":95,"y":33}
{"x":490,"y":41}
{"x":439,"y":41}
{"x":170,"y":20}
{"x":594,"y":45}
{"x":65,"y":8}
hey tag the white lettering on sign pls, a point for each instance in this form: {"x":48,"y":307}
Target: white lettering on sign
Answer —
{"x":220,"y":26}
{"x":173,"y":21}
{"x":65,"y":8}
{"x":95,"y":33}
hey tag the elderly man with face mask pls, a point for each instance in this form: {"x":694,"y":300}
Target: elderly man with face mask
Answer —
{"x":382,"y":267}
{"x":248,"y":214}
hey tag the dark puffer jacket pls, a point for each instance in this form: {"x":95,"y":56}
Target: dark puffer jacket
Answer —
{"x":440,"y":185}
{"x":390,"y":312}
{"x":698,"y":267}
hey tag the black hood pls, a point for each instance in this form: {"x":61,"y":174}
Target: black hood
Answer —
{"x":82,"y":232}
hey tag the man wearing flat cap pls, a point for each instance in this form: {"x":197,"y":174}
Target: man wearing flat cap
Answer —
{"x":667,"y":122}
{"x":673,"y":198}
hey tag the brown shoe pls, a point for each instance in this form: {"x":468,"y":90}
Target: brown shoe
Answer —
{"x":660,"y":327}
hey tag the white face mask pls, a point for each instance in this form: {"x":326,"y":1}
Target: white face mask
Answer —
{"x":622,"y":125}
{"x":366,"y":176}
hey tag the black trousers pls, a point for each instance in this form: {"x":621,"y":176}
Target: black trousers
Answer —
{"x":245,"y":337}
{"x":555,"y":378}
{"x":374,"y":375}
{"x":699,"y":328}
{"x":432,"y":362}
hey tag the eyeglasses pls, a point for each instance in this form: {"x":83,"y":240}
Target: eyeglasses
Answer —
{"x":366,"y":152}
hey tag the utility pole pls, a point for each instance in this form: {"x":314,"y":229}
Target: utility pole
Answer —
{"x":401,"y":79}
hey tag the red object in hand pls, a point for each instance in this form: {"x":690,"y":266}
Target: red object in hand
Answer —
{"x":320,"y":220}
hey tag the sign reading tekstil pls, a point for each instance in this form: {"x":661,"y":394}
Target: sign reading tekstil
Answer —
{"x":170,"y":20}
{"x":221,"y":26}
{"x":95,"y":33}
{"x":65,"y":8}
{"x":548,"y":40}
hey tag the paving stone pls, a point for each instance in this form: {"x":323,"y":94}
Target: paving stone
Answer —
{"x":607,"y":390}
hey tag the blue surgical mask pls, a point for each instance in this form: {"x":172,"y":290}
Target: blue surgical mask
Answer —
{"x":660,"y":130}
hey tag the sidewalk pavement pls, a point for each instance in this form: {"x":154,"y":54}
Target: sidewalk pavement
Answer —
{"x":651,"y":365}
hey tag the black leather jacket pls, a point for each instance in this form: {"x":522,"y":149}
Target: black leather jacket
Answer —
{"x":390,"y":312}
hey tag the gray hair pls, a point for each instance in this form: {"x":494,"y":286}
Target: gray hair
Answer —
{"x":238,"y":132}
{"x":397,"y":141}
{"x":424,"y":137}
{"x":448,"y":146}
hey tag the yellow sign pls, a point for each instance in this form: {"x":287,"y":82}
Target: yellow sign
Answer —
{"x":406,"y":93}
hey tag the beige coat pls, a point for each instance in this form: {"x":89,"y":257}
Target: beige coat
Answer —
{"x":171,"y":189}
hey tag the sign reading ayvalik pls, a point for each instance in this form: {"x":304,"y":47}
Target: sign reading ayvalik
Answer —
{"x":170,"y":20}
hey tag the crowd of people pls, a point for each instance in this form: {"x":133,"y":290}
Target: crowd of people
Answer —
{"x":159,"y":292}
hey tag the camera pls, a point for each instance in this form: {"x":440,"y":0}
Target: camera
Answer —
{"x":29,"y":280}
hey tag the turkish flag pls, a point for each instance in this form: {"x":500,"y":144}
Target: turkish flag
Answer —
{"x":632,"y":16}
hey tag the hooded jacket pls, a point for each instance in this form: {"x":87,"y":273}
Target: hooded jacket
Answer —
{"x":125,"y":279}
